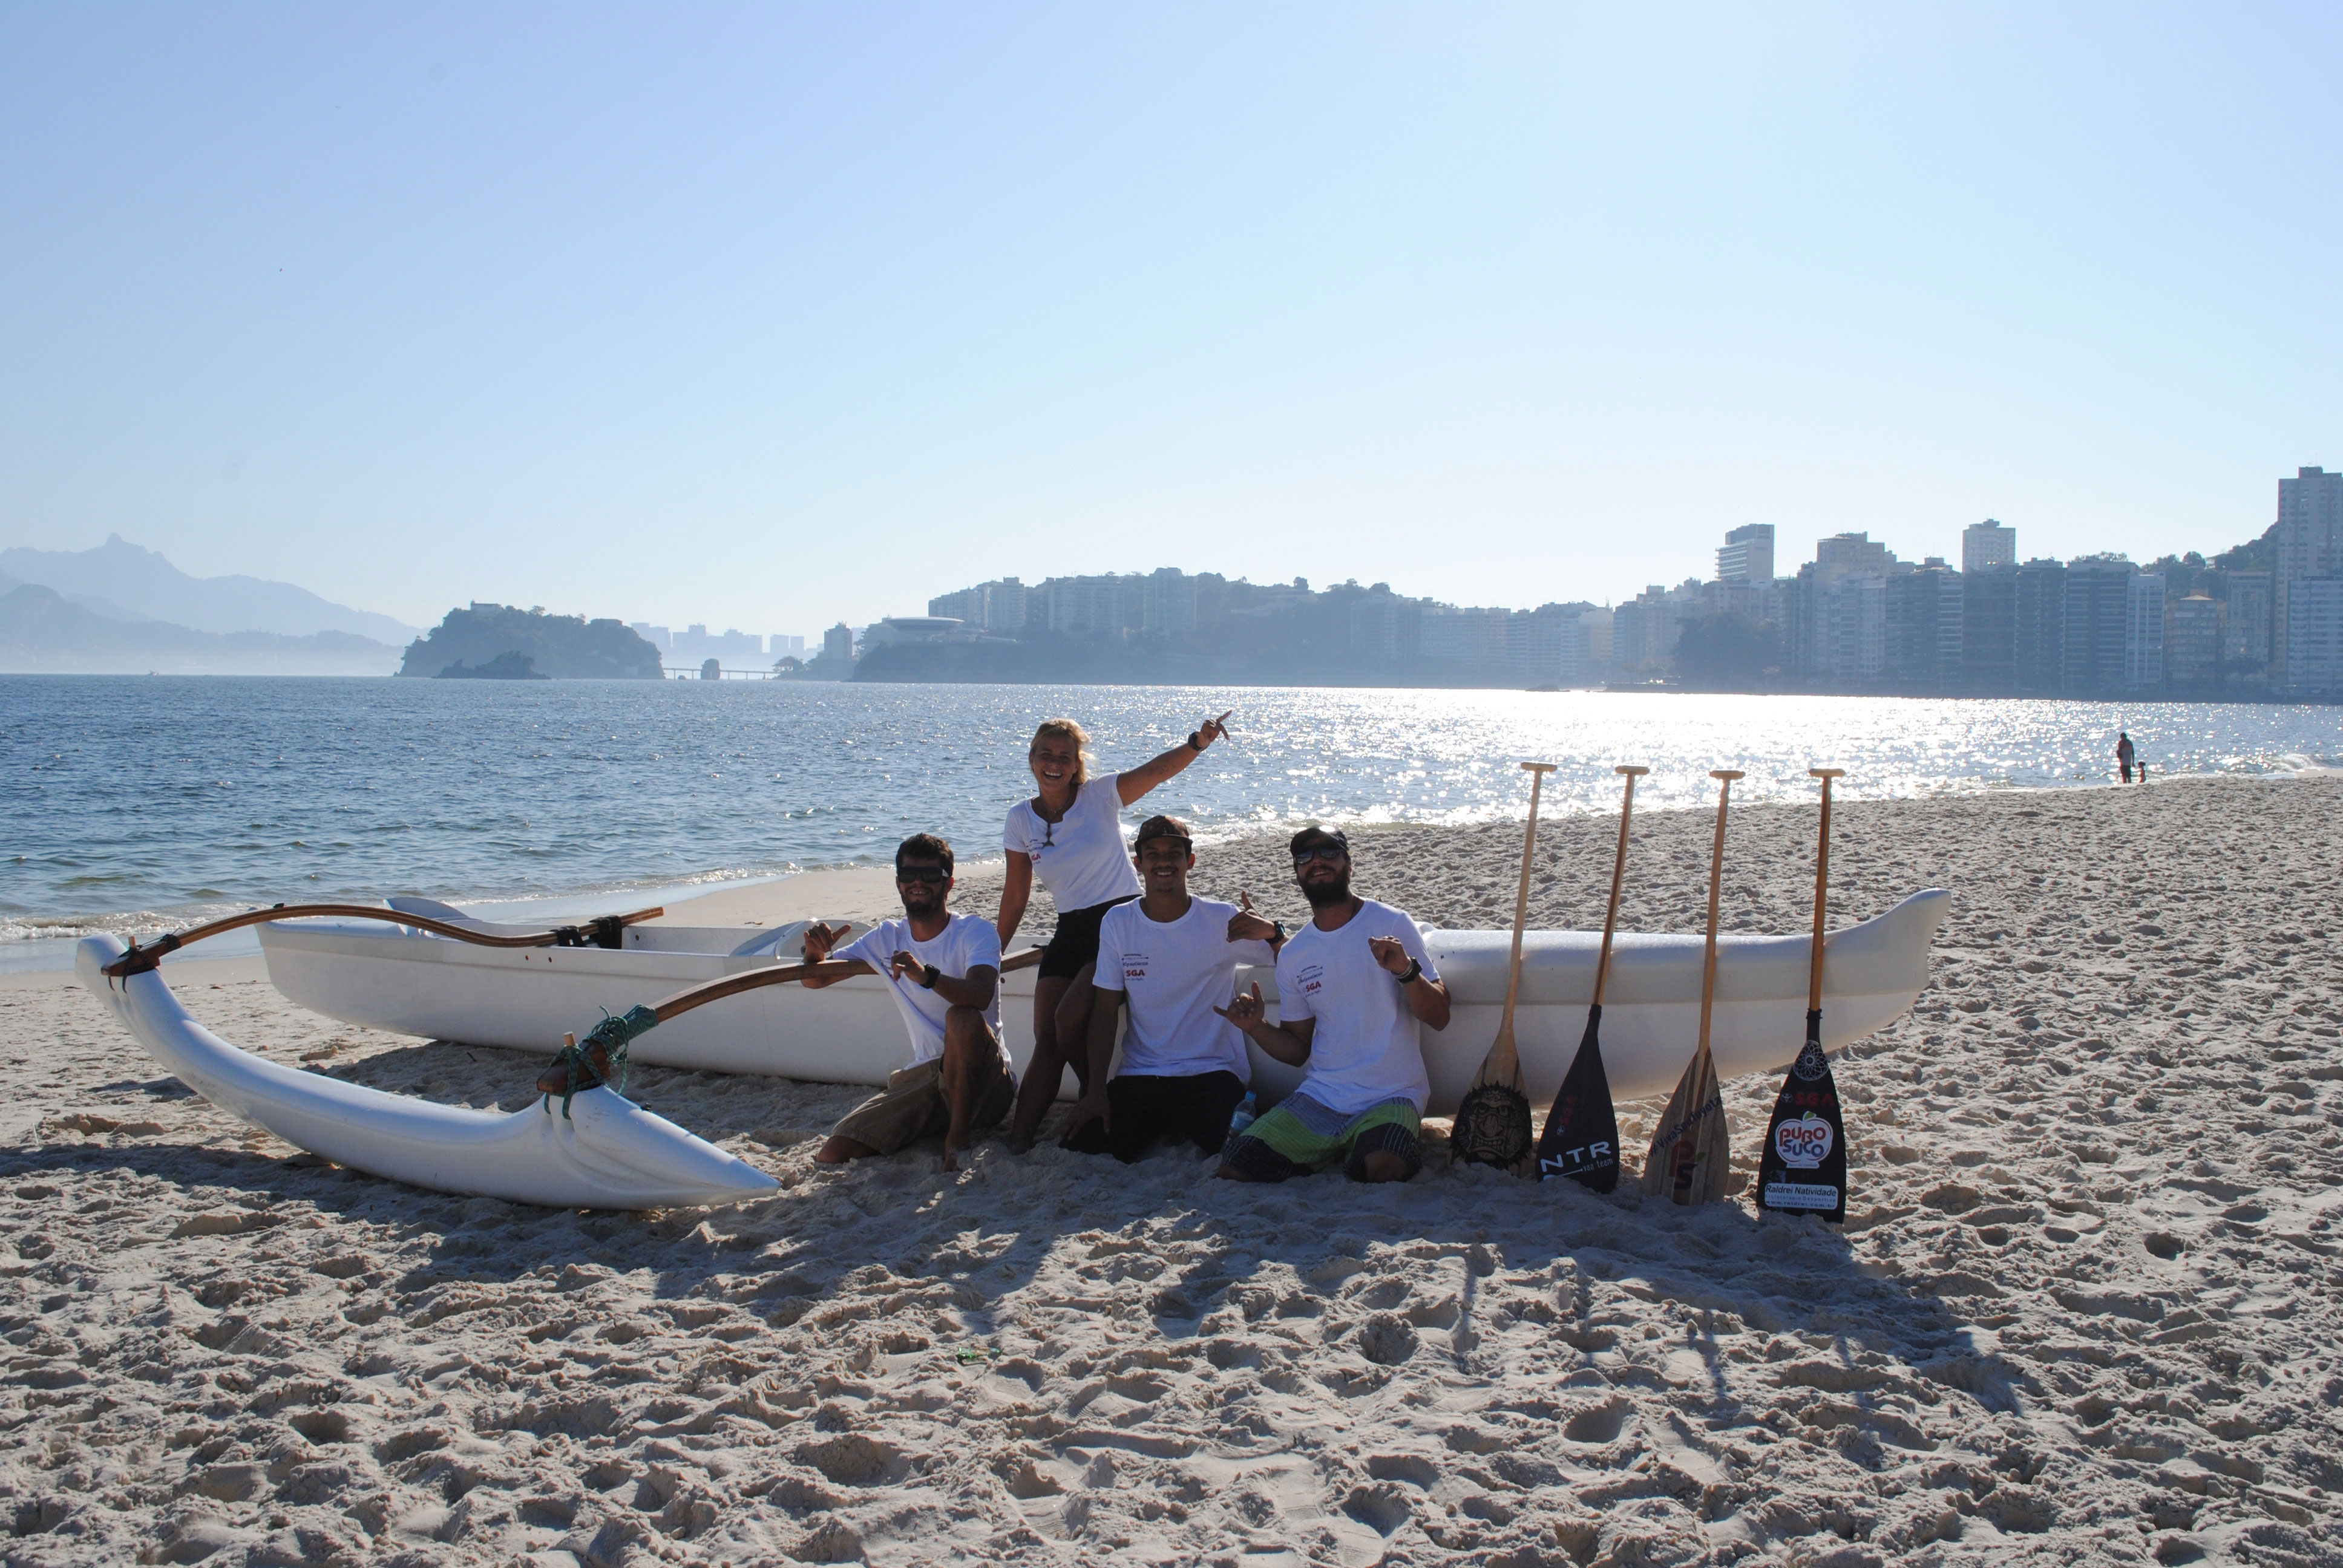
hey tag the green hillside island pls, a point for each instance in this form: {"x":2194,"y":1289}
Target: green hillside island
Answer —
{"x":500,"y":642}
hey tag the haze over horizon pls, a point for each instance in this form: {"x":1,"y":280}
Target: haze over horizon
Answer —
{"x":774,"y":318}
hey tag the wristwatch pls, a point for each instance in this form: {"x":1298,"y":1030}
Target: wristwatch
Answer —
{"x":929,"y":975}
{"x":1196,"y":739}
{"x":1276,"y":932}
{"x":1415,"y":971}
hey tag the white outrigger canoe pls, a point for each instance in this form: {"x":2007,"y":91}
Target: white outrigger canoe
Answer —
{"x":408,"y":981}
{"x":605,"y":1154}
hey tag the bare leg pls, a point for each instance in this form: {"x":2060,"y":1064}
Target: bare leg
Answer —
{"x":965,"y":1034}
{"x":1383,"y":1165}
{"x":1042,"y":1074}
{"x":1231,"y":1173}
{"x":1075,"y":1022}
{"x":840,"y":1150}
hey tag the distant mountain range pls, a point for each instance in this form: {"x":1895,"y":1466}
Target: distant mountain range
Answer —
{"x":43,"y":632}
{"x":121,"y":581}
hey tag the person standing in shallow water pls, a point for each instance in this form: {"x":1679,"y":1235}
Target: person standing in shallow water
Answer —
{"x":2124,"y":755}
{"x":1070,"y":835}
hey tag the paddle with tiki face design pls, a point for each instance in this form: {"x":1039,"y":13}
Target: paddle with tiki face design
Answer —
{"x":1802,"y":1168}
{"x":1690,"y":1155}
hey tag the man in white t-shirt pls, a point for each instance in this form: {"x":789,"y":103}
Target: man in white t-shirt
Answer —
{"x":945,"y":971}
{"x":1170,"y":958}
{"x":1352,"y":986}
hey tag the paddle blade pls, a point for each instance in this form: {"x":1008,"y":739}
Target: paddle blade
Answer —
{"x":1803,"y":1167}
{"x":1689,"y":1155}
{"x":1582,"y":1132}
{"x":1493,"y":1120}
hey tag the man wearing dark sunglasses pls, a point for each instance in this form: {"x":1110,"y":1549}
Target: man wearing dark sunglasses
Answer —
{"x":1352,"y":987}
{"x":945,"y":971}
{"x":1169,"y":957}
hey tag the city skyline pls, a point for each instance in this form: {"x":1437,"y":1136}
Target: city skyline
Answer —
{"x":739,"y":314}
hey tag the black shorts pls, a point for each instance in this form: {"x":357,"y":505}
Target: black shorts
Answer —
{"x":1075,"y":941}
{"x":1196,"y":1108}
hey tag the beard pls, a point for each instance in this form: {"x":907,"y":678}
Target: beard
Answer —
{"x":922,"y":900}
{"x":1323,"y":894}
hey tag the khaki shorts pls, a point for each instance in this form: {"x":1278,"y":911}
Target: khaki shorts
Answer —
{"x":912,"y":1105}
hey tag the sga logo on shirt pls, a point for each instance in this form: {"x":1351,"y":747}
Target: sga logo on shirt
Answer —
{"x":1311,"y":976}
{"x":1135,"y":966}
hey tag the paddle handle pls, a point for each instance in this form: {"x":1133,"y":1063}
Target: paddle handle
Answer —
{"x":1725,"y":776}
{"x":1618,"y":879}
{"x":1537,"y":772}
{"x":1822,"y":886}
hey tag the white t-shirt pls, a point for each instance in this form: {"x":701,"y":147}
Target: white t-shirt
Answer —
{"x":1082,"y":861}
{"x":1172,"y":974}
{"x":1366,"y":1048}
{"x":966,"y":942}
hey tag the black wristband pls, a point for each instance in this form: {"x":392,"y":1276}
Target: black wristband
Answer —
{"x":1277,"y":930}
{"x":1196,"y":739}
{"x":1415,"y":971}
{"x":929,"y":975}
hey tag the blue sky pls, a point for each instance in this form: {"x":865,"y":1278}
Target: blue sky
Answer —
{"x":771,"y":316}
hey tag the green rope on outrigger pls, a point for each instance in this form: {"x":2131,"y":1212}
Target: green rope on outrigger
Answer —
{"x":608,"y":1040}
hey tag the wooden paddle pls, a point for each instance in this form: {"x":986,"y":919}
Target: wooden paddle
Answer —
{"x":1493,"y":1120}
{"x":1581,"y":1140}
{"x":1690,"y":1155}
{"x":1802,"y":1168}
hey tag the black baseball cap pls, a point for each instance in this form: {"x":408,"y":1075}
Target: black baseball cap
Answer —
{"x":1311,"y":834}
{"x":1165,"y":827}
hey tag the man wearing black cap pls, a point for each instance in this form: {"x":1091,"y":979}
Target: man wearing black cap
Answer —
{"x":1171,"y":958}
{"x":1352,"y":986}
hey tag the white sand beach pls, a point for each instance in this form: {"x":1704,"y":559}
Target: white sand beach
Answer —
{"x":2087,"y":1306}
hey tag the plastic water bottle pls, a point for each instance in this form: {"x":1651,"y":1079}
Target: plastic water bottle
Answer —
{"x":1242,"y":1116}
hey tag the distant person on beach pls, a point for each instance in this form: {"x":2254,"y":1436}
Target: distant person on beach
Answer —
{"x":945,"y":971}
{"x":1070,"y":835}
{"x":2124,"y":755}
{"x":1351,"y":986}
{"x":1170,"y":958}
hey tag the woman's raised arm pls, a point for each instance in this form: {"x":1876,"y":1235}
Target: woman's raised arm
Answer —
{"x":1129,"y":785}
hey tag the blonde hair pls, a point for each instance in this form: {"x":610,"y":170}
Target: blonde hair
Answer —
{"x":1067,"y":729}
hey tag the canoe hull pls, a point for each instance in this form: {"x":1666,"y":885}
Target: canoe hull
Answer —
{"x":608,"y":1153}
{"x":379,"y":977}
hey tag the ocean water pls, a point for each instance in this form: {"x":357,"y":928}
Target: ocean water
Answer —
{"x":134,"y":802}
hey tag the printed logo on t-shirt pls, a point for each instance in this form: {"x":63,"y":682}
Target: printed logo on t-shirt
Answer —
{"x":1311,"y":976}
{"x":1135,"y":966}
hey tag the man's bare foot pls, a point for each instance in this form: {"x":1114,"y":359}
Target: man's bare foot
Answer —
{"x":1021,"y":1143}
{"x":952,"y":1153}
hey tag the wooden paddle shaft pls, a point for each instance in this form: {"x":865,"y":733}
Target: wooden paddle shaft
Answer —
{"x":683,"y":1001}
{"x":1618,"y":879}
{"x":139,"y":960}
{"x":1537,"y":772}
{"x":1726,"y":776}
{"x":1822,"y":883}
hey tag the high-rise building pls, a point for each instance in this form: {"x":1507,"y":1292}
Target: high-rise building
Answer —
{"x":838,"y":644}
{"x":1747,"y":556}
{"x":1384,"y":626}
{"x":2038,"y":639}
{"x":1987,"y":544}
{"x":2310,"y":548}
{"x":2144,"y":632}
{"x":2314,"y":637}
{"x":1989,"y":630}
{"x":1922,"y":628}
{"x":2098,"y":616}
{"x":997,"y":607}
{"x":1168,"y":603}
{"x":1472,"y":637}
{"x":654,"y":635}
{"x":2192,"y":642}
{"x":1543,"y":645}
{"x":2246,"y":623}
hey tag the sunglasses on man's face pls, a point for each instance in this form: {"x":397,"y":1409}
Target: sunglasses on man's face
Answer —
{"x":1319,"y":852}
{"x":929,"y":874}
